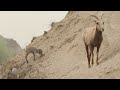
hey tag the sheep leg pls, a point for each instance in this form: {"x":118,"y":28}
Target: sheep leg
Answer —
{"x":41,"y":54}
{"x":91,"y":50}
{"x":97,"y":54}
{"x":34,"y":56}
{"x":86,"y":46}
{"x":26,"y":58}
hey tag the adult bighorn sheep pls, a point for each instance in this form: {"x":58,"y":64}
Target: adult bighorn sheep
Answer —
{"x":92,"y":37}
{"x":33,"y":50}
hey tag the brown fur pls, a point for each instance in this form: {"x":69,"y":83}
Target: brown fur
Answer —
{"x":32,"y":50}
{"x":93,"y":38}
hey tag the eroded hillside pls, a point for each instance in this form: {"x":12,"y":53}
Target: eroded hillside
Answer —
{"x":8,"y":48}
{"x":64,"y":50}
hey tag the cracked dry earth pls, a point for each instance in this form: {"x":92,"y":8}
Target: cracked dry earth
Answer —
{"x":65,"y":55}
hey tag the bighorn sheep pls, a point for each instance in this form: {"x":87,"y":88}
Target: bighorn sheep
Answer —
{"x":33,"y":50}
{"x":92,"y":37}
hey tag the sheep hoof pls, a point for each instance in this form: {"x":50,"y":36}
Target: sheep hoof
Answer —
{"x":89,"y":66}
{"x":92,"y":64}
{"x":97,"y":63}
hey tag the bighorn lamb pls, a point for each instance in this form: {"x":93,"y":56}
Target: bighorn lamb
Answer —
{"x":33,"y":50}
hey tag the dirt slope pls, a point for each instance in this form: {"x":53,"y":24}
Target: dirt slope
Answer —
{"x":65,"y":55}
